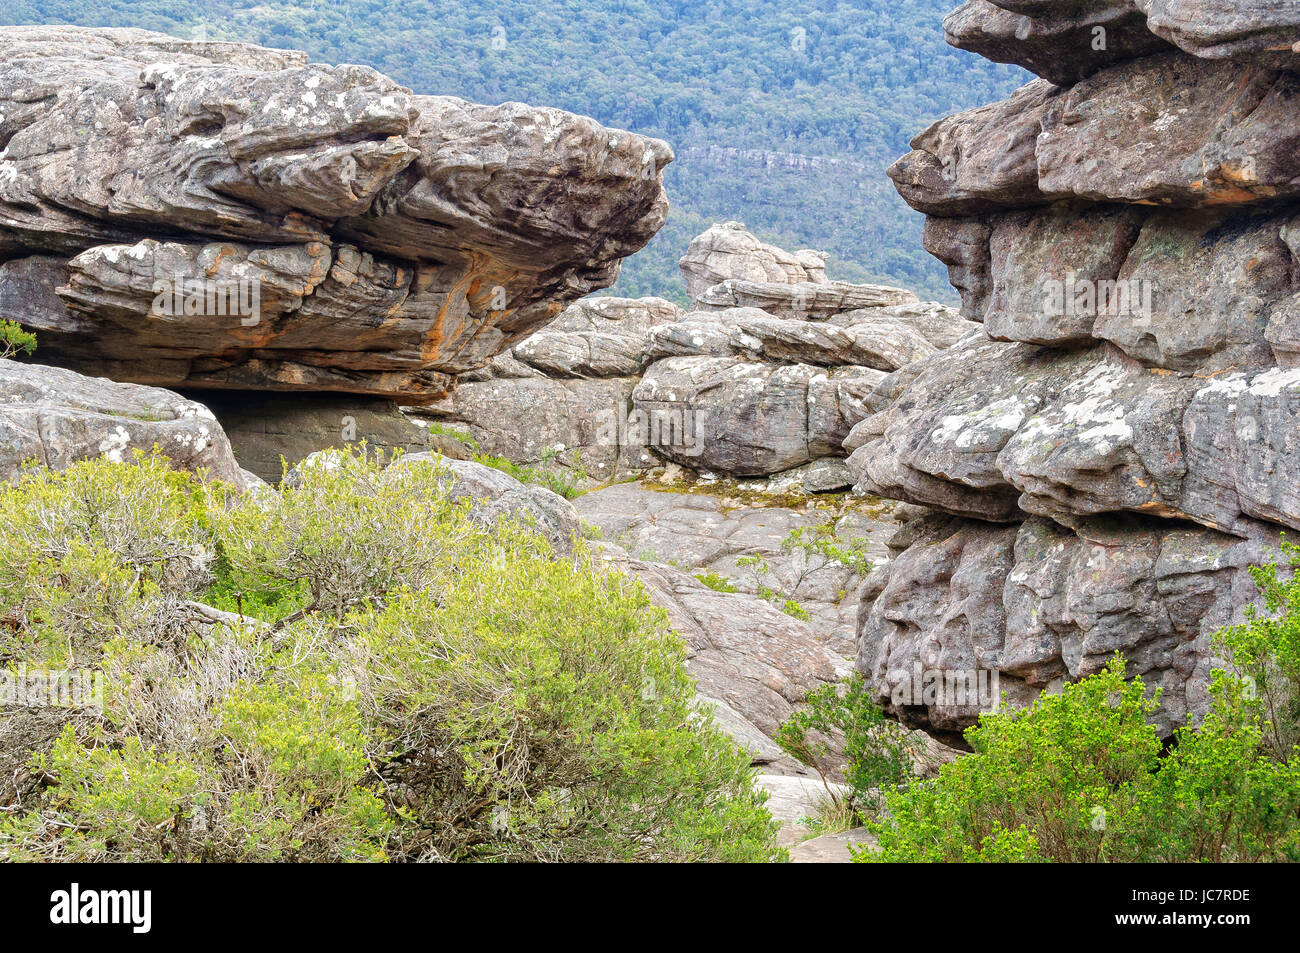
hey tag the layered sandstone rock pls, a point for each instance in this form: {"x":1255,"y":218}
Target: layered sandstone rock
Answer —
{"x":727,"y":251}
{"x":615,"y":386}
{"x":218,"y":215}
{"x":1100,"y":466}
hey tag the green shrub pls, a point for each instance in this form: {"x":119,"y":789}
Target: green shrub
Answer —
{"x":14,"y":340}
{"x":347,"y":533}
{"x":820,"y":547}
{"x":563,"y":481}
{"x":875,"y":750}
{"x":1265,"y":651}
{"x":543,"y":713}
{"x":1084,"y":776}
{"x":716,"y":581}
{"x":98,"y":550}
{"x":400,"y":683}
{"x":1079,"y":776}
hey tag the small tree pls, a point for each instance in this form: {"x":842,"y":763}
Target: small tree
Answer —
{"x":877,"y":751}
{"x":14,"y":341}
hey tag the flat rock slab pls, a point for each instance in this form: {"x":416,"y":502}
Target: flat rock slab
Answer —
{"x":831,"y":848}
{"x":794,"y":799}
{"x":708,"y":532}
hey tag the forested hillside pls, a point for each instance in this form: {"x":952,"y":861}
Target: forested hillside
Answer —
{"x":782,"y":116}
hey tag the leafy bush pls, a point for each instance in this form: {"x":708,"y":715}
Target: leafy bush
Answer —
{"x":396,"y":682}
{"x":876,"y":751}
{"x":96,"y":551}
{"x":555,"y":732}
{"x":14,"y":340}
{"x":716,"y":581}
{"x":1079,"y":776}
{"x":347,"y":533}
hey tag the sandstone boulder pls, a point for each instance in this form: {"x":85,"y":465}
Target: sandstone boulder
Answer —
{"x":54,"y":417}
{"x":801,"y":301}
{"x":1061,"y":42}
{"x":395,"y":240}
{"x":727,"y":251}
{"x":744,"y":418}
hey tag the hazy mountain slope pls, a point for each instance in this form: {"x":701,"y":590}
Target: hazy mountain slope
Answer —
{"x":781,"y":117}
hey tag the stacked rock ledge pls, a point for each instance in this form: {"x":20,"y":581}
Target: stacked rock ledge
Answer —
{"x":1097,"y":469}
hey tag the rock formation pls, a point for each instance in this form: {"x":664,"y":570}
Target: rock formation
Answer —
{"x":217,"y":215}
{"x":53,"y":417}
{"x":1096,"y":470}
{"x":764,"y":374}
{"x":763,"y":377}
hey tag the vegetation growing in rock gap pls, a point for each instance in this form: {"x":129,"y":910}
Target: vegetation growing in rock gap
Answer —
{"x":393,"y":681}
{"x":1080,"y":775}
{"x":876,"y":751}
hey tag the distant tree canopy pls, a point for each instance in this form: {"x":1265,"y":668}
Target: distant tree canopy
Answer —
{"x":783,"y":117}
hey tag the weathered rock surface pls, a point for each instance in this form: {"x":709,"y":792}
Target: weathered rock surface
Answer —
{"x":396,"y":240}
{"x":1096,"y":470}
{"x":795,"y":800}
{"x":803,"y":301}
{"x":862,"y":337}
{"x":1263,"y":31}
{"x":531,"y":420}
{"x":565,"y":393}
{"x":1176,"y":142}
{"x":743,"y":651}
{"x":727,"y":250}
{"x":499,"y":496}
{"x":1181,"y":140}
{"x":963,"y":245}
{"x":710,"y":532}
{"x":979,"y":160}
{"x":729,"y":415}
{"x":1061,"y":42}
{"x":1037,"y":602}
{"x":1068,"y":41}
{"x":55,"y":417}
{"x":597,"y":337}
{"x":832,"y":848}
{"x":616,"y":386}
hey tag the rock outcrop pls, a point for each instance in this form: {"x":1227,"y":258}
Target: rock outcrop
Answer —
{"x":54,"y":417}
{"x":1097,"y":469}
{"x":766,"y":373}
{"x":716,"y":534}
{"x":727,"y":251}
{"x":218,"y":215}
